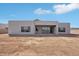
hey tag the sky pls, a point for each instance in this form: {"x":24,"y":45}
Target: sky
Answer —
{"x":62,"y":12}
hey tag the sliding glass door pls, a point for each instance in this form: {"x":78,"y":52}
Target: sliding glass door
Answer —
{"x":45,"y":30}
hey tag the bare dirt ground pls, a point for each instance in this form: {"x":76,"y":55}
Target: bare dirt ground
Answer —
{"x":59,"y":45}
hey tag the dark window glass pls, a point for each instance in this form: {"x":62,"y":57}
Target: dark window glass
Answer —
{"x":36,"y":29}
{"x":25,"y":29}
{"x":61,"y":29}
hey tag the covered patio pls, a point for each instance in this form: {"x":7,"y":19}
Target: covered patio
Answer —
{"x":45,"y":29}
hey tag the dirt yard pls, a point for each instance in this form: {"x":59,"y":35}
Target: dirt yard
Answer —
{"x":57,"y":45}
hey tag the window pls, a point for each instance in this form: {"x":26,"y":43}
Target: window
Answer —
{"x":25,"y":29}
{"x":61,"y":29}
{"x":45,"y":30}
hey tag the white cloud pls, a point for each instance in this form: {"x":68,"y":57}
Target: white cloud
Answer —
{"x":64,"y":8}
{"x":58,"y":9}
{"x":42,"y":11}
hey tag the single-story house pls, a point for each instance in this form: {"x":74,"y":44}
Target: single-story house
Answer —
{"x":37,"y":27}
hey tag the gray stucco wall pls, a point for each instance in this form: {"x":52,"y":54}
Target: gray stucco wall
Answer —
{"x":66,"y":26}
{"x":15,"y":27}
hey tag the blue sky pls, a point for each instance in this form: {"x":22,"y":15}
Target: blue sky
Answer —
{"x":43,"y":11}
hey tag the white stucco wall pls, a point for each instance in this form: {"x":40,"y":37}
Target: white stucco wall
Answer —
{"x":66,"y":26}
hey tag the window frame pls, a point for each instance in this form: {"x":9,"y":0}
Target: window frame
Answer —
{"x":25,"y":28}
{"x":61,"y":29}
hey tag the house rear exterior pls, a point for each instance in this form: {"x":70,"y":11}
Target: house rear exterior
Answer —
{"x":37,"y":27}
